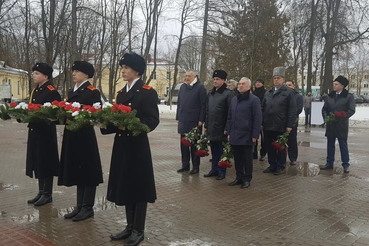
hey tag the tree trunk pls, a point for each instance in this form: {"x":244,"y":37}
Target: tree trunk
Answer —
{"x":203,"y":66}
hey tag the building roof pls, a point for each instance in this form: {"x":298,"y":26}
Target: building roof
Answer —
{"x":6,"y":69}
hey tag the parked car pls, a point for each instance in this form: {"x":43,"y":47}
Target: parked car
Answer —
{"x":365,"y":98}
{"x":358,"y":99}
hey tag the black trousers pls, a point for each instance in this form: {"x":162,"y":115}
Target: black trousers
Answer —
{"x":263,"y":150}
{"x":186,"y":153}
{"x":243,"y":161}
{"x":136,"y":216}
{"x":276,"y":159}
{"x":293,"y":150}
{"x":86,"y":196}
{"x":45,"y":186}
{"x":307,"y":116}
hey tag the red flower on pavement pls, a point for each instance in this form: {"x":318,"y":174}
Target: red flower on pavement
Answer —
{"x":224,"y":164}
{"x":277,"y":146}
{"x":62,"y":104}
{"x":68,"y":107}
{"x":340,"y":114}
{"x":202,"y":153}
{"x":13,"y":104}
{"x":55,"y":103}
{"x":75,"y":109}
{"x":185,"y":142}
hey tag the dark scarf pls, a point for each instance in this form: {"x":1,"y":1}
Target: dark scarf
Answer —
{"x":220,"y":90}
{"x":244,"y":96}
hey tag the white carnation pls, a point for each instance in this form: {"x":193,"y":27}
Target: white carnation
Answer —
{"x":18,"y":106}
{"x":75,"y":113}
{"x":47,"y":104}
{"x":107,"y":105}
{"x":76,"y":105}
{"x":25,"y":106}
{"x":96,"y":105}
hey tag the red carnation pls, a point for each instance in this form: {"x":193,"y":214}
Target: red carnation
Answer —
{"x":75,"y":109}
{"x":185,"y":142}
{"x":68,"y":107}
{"x":224,"y":164}
{"x":13,"y":104}
{"x":125,"y":109}
{"x":34,"y":107}
{"x":55,"y":103}
{"x":115,"y":108}
{"x":201,"y":153}
{"x":277,"y":146}
{"x":92,"y":110}
{"x":62,"y":104}
{"x":86,"y":107}
{"x":340,"y":114}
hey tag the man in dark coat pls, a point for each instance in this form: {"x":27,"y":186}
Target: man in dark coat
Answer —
{"x":219,"y":100}
{"x":80,"y":163}
{"x":292,"y":138}
{"x":259,"y":91}
{"x":337,"y":101}
{"x":131,"y":179}
{"x":279,"y":116}
{"x":42,"y":146}
{"x":243,"y":128}
{"x":191,"y":108}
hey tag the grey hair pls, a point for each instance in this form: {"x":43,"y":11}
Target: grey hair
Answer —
{"x":192,"y":71}
{"x":232,"y":81}
{"x":246,"y":79}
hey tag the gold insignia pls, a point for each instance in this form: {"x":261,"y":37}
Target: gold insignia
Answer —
{"x":129,"y":104}
{"x":138,"y":90}
{"x":34,"y":99}
{"x":37,"y":65}
{"x":36,"y":90}
{"x":40,"y":89}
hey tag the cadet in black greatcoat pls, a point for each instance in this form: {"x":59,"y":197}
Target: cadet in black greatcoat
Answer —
{"x":131,"y":179}
{"x":80,"y":159}
{"x":42,"y":146}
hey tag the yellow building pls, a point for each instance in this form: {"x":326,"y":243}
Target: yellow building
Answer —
{"x":16,"y":79}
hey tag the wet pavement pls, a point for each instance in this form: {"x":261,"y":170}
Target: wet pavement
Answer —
{"x":305,"y":206}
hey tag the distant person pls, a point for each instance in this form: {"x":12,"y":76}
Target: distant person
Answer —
{"x":292,"y":138}
{"x":259,"y":91}
{"x":338,"y":100}
{"x":308,"y":99}
{"x":191,"y":109}
{"x":232,"y":85}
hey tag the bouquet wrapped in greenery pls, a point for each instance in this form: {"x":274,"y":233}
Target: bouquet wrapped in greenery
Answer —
{"x":281,"y":142}
{"x":202,"y":146}
{"x":225,"y":159}
{"x":335,"y":117}
{"x":191,"y":137}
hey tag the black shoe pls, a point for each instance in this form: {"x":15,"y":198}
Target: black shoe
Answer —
{"x":43,"y":200}
{"x":135,"y":238}
{"x":35,"y":199}
{"x":73,"y":213}
{"x":210,"y":174}
{"x":183,"y":169}
{"x":293,"y":163}
{"x":220,"y":177}
{"x":326,"y":167}
{"x":85,"y":213}
{"x":278,"y":171}
{"x":245,"y":184}
{"x":122,"y":235}
{"x":194,"y":171}
{"x":262,"y":158}
{"x":346,"y":169}
{"x":235,"y":182}
{"x":269,"y":170}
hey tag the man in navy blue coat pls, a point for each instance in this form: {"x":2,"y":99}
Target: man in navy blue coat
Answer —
{"x":243,"y":128}
{"x":191,"y":108}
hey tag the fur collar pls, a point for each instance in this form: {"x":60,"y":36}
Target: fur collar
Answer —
{"x":220,"y":90}
{"x":344,"y":93}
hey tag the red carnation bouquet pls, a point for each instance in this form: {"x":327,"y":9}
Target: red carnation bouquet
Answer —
{"x":225,"y":159}
{"x":281,"y":142}
{"x":335,"y":117}
{"x":191,"y":137}
{"x":202,"y":146}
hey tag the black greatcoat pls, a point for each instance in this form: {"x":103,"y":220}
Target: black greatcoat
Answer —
{"x":131,"y":178}
{"x":80,"y":159}
{"x":42,"y":147}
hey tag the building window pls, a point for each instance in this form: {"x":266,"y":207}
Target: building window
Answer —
{"x":353,"y":76}
{"x":353,"y":85}
{"x":168,"y":75}
{"x":18,"y":88}
{"x":366,"y":85}
{"x":365,"y":94}
{"x":366,"y":76}
{"x":154,"y":75}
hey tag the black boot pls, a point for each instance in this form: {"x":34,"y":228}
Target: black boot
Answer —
{"x":85,"y":213}
{"x":36,"y":198}
{"x":130,"y":209}
{"x":47,"y":191}
{"x":235,"y":182}
{"x":77,"y":209}
{"x":135,"y":238}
